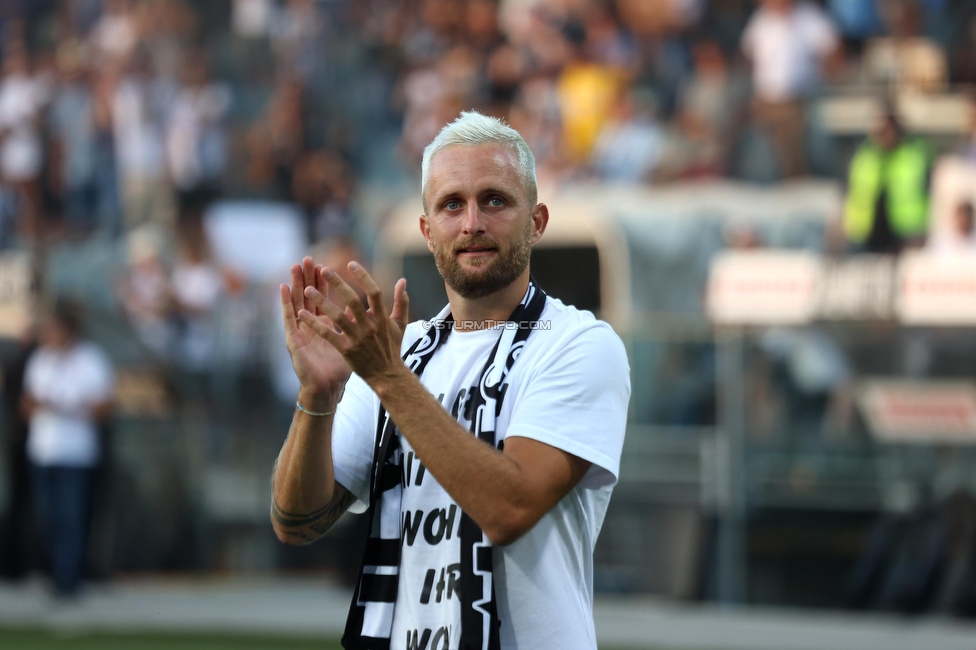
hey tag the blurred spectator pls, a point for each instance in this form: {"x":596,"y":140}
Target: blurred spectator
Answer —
{"x":587,"y":91}
{"x":606,"y":42}
{"x":887,"y":205}
{"x":655,"y":17}
{"x":961,"y":238}
{"x":252,"y":18}
{"x":336,"y":254}
{"x":297,"y":32}
{"x":323,"y":187}
{"x":276,"y":140}
{"x":74,"y":143}
{"x":968,"y":150}
{"x":964,"y":60}
{"x":535,"y":114}
{"x":429,"y":103}
{"x":906,"y":59}
{"x":197,"y":284}
{"x":114,"y":36}
{"x":168,"y":28}
{"x":857,"y":20}
{"x":631,"y":145}
{"x":659,"y":27}
{"x":139,"y":107}
{"x":813,"y":369}
{"x":146,"y":292}
{"x":68,"y":390}
{"x":103,"y":93}
{"x":788,"y":43}
{"x":195,"y":146}
{"x":481,"y":24}
{"x":709,"y":115}
{"x":505,"y":68}
{"x":22,"y":98}
{"x":83,"y":14}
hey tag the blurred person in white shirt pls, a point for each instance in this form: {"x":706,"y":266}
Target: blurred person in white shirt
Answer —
{"x":115,"y":34}
{"x":73,"y":141}
{"x":22,"y":98}
{"x":138,"y":117}
{"x":195,"y":140}
{"x":197,"y":285}
{"x":68,"y":389}
{"x":961,"y":237}
{"x":906,"y":59}
{"x":146,"y":291}
{"x":788,"y":43}
{"x":631,"y":145}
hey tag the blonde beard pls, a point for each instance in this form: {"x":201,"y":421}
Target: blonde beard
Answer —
{"x":494,"y":276}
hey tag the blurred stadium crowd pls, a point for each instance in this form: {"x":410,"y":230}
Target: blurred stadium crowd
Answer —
{"x":123,"y":122}
{"x":117,"y":114}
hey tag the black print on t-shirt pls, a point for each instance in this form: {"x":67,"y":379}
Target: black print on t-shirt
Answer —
{"x":456,"y":406}
{"x":446,"y":586}
{"x":418,"y":641}
{"x":438,"y":525}
{"x":461,"y":404}
{"x":407,"y":467}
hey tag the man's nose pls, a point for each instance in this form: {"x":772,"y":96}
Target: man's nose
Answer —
{"x":474,"y":219}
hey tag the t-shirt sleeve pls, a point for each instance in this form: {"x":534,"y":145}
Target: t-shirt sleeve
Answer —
{"x":576,"y":401}
{"x":353,"y":431}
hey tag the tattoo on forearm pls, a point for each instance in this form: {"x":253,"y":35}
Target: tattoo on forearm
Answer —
{"x":310,"y":526}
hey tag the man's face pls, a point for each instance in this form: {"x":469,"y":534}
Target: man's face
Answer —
{"x":479,"y":224}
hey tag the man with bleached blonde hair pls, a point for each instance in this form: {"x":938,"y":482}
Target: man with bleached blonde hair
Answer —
{"x":484,"y":443}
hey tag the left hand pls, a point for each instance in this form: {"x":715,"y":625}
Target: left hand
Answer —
{"x":367,"y":338}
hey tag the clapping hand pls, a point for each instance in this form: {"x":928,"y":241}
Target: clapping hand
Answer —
{"x":366,"y":338}
{"x":321,"y":370}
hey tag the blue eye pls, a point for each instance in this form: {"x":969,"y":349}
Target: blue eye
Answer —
{"x":452,"y":205}
{"x":496,"y":202}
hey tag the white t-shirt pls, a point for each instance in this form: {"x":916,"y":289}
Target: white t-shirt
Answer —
{"x":21,"y":98}
{"x":72,"y":381}
{"x":138,"y":132}
{"x":569,"y":389}
{"x":786,"y":50}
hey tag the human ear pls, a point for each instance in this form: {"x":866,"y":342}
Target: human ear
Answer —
{"x":425,"y":231}
{"x":540,"y":219}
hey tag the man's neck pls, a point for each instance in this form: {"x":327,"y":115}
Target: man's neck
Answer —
{"x":477,"y":313}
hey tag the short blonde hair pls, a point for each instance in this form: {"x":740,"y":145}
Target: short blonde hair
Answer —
{"x":473,"y":128}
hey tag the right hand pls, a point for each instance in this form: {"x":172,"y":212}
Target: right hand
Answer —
{"x":320,"y":368}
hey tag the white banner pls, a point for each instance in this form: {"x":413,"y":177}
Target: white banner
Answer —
{"x":763,"y":287}
{"x":937,"y":289}
{"x":796,"y":287}
{"x":919,"y":411}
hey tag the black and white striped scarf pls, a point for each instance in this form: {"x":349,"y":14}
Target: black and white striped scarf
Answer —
{"x":370,"y":622}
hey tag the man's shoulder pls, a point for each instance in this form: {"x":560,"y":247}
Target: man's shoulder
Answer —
{"x":564,"y":322}
{"x":570,"y":337}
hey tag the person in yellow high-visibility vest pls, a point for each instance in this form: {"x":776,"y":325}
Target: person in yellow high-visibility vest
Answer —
{"x":887,"y":205}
